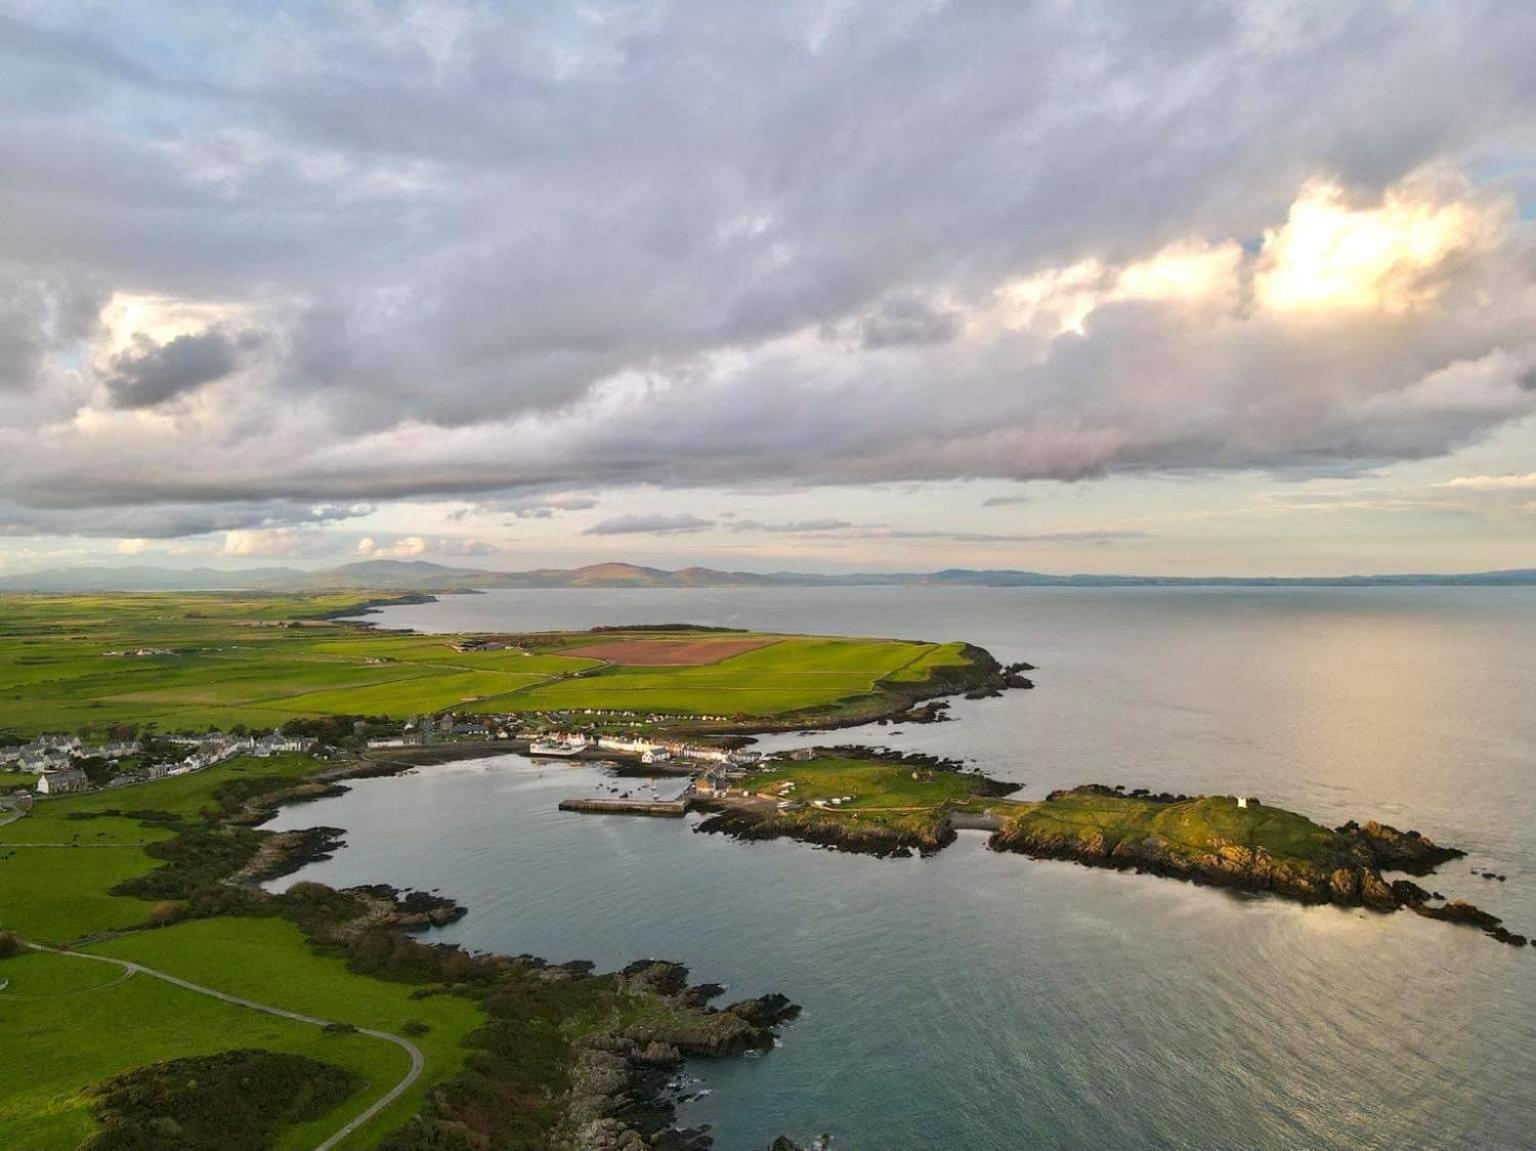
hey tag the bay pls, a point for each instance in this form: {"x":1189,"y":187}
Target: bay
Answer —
{"x":984,"y":1001}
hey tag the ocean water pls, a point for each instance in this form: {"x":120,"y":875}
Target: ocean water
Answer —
{"x":993,"y":1002}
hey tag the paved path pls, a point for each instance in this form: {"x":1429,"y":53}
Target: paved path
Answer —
{"x":399,"y":1089}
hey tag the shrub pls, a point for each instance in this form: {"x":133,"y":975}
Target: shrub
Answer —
{"x":235,"y":1101}
{"x":10,"y":944}
{"x":164,"y":914}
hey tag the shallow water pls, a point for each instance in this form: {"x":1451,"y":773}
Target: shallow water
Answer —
{"x":983,"y":1001}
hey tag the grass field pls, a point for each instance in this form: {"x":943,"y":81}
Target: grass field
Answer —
{"x":1192,"y":826}
{"x":262,"y":660}
{"x":874,"y":785}
{"x":269,"y":961}
{"x":66,"y":1023}
{"x":56,"y":894}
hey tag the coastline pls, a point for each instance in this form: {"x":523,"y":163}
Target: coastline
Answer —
{"x":622,"y":1078}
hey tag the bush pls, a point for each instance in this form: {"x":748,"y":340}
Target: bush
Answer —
{"x":10,"y":944}
{"x":164,"y":914}
{"x":414,"y":1027}
{"x":234,"y":1101}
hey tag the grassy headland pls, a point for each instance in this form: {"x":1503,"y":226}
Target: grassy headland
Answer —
{"x":187,"y":661}
{"x":884,"y":805}
{"x":876,"y":805}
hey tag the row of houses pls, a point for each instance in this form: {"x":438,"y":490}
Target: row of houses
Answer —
{"x":59,"y":775}
{"x":659,"y":751}
{"x":57,"y":752}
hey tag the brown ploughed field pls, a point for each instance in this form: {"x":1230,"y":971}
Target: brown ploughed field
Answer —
{"x":667,"y":652}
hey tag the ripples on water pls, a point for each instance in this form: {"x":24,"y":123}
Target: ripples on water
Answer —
{"x":993,"y":1002}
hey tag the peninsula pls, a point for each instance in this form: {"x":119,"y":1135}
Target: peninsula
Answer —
{"x":854,"y":799}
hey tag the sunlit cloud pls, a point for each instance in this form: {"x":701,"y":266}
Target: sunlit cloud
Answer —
{"x":1510,"y":483}
{"x":1333,"y":255}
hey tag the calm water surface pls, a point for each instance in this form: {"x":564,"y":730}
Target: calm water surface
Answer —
{"x":993,"y":1002}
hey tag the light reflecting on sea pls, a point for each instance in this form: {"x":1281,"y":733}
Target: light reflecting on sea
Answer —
{"x":983,"y":1001}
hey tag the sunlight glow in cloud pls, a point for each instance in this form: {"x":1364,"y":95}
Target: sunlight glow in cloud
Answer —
{"x":1331,"y":255}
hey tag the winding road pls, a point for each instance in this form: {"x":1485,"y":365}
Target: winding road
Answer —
{"x":378,"y":1105}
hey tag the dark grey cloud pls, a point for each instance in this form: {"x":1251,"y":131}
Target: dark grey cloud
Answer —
{"x":497,"y":250}
{"x":41,"y":315}
{"x":171,"y":520}
{"x":527,"y":508}
{"x":905,"y":320}
{"x":649,"y":525}
{"x":148,"y":373}
{"x":1004,"y":501}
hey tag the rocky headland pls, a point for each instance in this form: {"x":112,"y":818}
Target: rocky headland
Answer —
{"x":1224,"y":842}
{"x":914,"y":804}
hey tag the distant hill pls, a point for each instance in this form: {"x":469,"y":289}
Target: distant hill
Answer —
{"x":420,"y":575}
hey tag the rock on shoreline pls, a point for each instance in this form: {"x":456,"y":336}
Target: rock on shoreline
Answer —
{"x":619,"y":1098}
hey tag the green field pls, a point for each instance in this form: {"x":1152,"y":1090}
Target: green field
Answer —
{"x":1191,"y":827}
{"x":66,"y":1023}
{"x":268,"y":960}
{"x":57,"y":869}
{"x":261,"y":660}
{"x":875,"y":785}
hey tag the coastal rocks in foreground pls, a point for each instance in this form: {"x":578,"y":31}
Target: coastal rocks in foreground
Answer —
{"x":1221,"y":841}
{"x":623,"y":1082}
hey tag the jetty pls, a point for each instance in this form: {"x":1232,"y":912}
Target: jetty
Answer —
{"x":667,"y":808}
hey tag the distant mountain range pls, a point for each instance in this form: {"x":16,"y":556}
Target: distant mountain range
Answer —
{"x":419,"y":575}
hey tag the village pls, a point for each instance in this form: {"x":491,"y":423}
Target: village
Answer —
{"x":63,"y":763}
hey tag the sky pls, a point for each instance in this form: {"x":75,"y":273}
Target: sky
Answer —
{"x":1185,"y":288}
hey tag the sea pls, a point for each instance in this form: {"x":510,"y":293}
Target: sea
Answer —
{"x":995,"y":1003}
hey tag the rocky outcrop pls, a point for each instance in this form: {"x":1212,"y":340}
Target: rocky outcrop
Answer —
{"x":1344,"y":868}
{"x":413,"y":910}
{"x":623,"y":1082}
{"x":1460,"y":911}
{"x":1395,"y":850}
{"x":936,"y":711}
{"x":1353,"y":883}
{"x":284,"y":852}
{"x":831,"y":832}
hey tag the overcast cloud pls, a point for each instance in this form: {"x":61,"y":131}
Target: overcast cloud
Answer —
{"x":363,"y":253}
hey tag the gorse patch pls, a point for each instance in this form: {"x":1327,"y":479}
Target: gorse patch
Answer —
{"x":232,"y":1101}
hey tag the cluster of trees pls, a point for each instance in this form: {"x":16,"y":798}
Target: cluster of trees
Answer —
{"x":234,"y":1100}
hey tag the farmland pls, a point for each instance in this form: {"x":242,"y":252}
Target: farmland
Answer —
{"x":69,"y":1023}
{"x":72,"y":1023}
{"x":186,"y":662}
